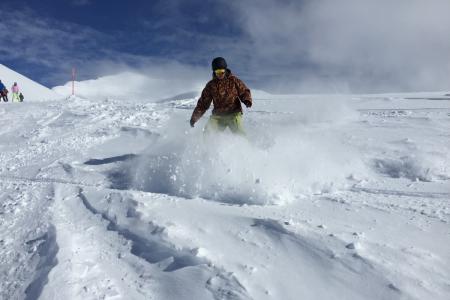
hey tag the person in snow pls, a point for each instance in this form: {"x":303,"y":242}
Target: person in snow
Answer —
{"x":3,"y":92}
{"x":21,"y":97}
{"x":226,"y":92}
{"x":15,"y":92}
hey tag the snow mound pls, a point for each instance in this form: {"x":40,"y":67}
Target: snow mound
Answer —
{"x":420,"y":167}
{"x":32,"y":90}
{"x":175,"y":83}
{"x":133,"y":86}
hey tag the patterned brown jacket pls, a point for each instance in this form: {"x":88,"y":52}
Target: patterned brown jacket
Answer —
{"x":226,"y":95}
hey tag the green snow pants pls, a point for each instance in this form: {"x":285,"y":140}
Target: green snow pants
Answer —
{"x":220,"y":123}
{"x":15,"y":96}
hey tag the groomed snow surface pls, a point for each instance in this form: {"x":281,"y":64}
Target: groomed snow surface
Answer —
{"x":328,"y":197}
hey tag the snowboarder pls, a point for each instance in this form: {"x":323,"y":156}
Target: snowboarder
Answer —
{"x":15,"y":92}
{"x":3,"y":92}
{"x":226,"y":92}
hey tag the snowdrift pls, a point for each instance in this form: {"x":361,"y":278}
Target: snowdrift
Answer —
{"x":170,"y":85}
{"x":135,"y":86}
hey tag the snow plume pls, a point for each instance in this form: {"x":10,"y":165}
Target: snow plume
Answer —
{"x":272,"y":165}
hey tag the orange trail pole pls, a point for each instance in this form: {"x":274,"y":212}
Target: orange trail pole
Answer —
{"x":73,"y":81}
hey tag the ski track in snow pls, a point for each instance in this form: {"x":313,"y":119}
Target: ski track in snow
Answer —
{"x":76,"y":223}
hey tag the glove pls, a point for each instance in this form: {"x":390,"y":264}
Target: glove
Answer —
{"x":248,"y":103}
{"x":192,"y":122}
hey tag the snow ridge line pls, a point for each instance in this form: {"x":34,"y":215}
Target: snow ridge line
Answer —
{"x":47,"y":251}
{"x":401,"y":109}
{"x":401,"y":193}
{"x":153,"y":249}
{"x":45,"y":180}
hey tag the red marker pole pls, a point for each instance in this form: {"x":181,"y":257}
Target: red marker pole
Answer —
{"x":73,"y":81}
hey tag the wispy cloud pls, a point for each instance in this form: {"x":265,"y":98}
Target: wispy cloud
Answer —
{"x":56,"y":46}
{"x":52,"y":44}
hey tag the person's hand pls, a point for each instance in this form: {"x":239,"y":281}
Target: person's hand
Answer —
{"x":248,"y":103}
{"x":192,"y":122}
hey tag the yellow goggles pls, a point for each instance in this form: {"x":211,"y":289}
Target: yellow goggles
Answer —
{"x":219,"y":71}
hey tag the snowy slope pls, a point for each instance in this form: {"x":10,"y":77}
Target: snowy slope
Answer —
{"x":32,"y":90}
{"x":124,"y":85}
{"x":329,"y":197}
{"x":139,"y":87}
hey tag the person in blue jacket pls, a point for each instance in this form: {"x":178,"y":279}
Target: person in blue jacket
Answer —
{"x":3,"y":92}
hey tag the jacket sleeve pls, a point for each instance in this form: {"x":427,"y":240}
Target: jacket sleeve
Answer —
{"x":243,"y":91}
{"x":203,"y":105}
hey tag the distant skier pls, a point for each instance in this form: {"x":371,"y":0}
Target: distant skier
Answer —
{"x":3,"y":92}
{"x":15,"y":92}
{"x":226,"y":92}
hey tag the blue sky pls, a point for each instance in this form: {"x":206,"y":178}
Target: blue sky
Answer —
{"x":53,"y":35}
{"x":277,"y":45}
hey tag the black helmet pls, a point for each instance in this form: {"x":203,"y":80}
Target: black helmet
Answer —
{"x":219,"y":63}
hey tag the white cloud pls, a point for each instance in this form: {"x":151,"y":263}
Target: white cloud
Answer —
{"x":366,"y":43}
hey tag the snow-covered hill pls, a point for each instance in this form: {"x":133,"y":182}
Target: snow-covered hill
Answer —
{"x":129,"y":85}
{"x":32,"y":90}
{"x":328,"y":197}
{"x":163,"y":86}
